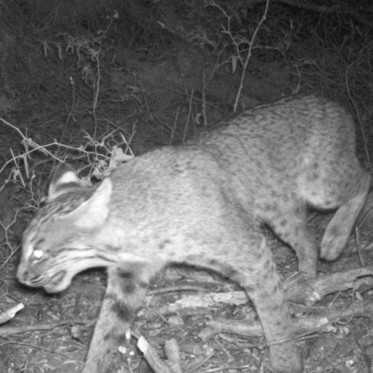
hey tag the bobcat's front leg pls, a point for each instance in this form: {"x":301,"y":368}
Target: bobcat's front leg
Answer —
{"x":124,"y":295}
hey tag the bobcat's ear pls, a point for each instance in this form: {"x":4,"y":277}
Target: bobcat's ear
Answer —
{"x":92,"y":213}
{"x":64,"y":179}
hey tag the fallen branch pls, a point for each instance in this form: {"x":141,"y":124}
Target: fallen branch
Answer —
{"x":305,"y":325}
{"x":7,"y":331}
{"x":299,"y":290}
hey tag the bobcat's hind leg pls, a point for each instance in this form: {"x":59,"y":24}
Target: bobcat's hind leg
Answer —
{"x":124,"y":295}
{"x":264,"y":287}
{"x":257,"y":274}
{"x":340,"y":227}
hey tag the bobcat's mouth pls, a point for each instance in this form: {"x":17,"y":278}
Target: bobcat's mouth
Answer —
{"x":31,"y":279}
{"x":57,"y":282}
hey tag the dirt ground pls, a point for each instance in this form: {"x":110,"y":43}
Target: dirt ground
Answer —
{"x":94,"y":83}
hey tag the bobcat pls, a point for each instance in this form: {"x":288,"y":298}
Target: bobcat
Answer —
{"x":203,"y":204}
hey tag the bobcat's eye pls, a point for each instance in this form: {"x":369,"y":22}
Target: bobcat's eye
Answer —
{"x":37,"y":255}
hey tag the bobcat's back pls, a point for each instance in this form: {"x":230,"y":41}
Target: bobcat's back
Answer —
{"x":274,"y":146}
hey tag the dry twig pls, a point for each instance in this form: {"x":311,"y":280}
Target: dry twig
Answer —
{"x":158,"y":365}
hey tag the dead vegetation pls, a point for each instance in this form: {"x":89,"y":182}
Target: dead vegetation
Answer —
{"x":94,"y":83}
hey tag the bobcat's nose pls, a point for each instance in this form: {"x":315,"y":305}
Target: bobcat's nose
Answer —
{"x":26,"y":277}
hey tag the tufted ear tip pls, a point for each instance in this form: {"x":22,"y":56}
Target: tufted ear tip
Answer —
{"x":64,"y":179}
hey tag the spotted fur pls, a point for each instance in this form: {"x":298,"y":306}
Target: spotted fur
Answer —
{"x":203,"y":204}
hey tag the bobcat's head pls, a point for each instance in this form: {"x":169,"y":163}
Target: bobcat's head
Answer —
{"x":59,"y":241}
